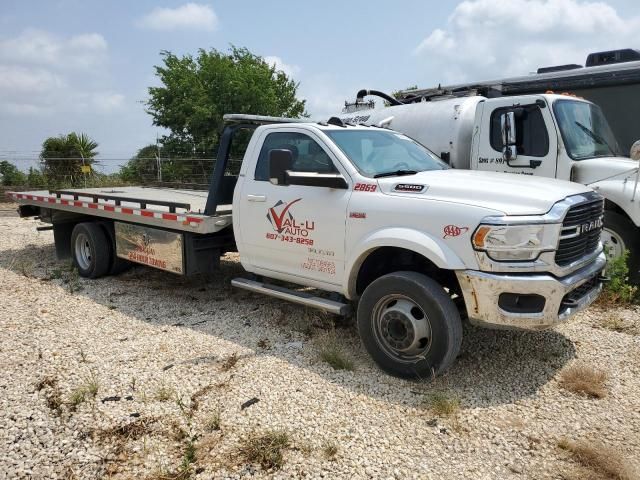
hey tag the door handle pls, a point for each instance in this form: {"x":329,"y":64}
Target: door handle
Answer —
{"x":257,"y":198}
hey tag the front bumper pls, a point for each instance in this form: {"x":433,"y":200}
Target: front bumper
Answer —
{"x":563,"y":297}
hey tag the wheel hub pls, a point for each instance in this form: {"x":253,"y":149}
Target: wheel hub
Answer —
{"x":397,"y":330}
{"x":83,"y":251}
{"x":613,"y":243}
{"x":401,"y":327}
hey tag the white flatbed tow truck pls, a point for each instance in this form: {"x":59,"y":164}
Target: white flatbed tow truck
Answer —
{"x":367,"y":217}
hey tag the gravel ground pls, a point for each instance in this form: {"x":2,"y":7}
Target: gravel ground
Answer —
{"x":126,"y":377}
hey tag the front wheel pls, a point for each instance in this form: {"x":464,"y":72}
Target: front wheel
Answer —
{"x":620,"y":234}
{"x":409,"y":325}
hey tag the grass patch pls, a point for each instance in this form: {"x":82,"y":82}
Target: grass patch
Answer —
{"x":599,"y":459}
{"x":164,"y":394}
{"x":330,"y":450}
{"x":77,"y":397}
{"x":189,"y":457}
{"x":442,"y":403}
{"x":332,"y":352}
{"x":212,"y":422}
{"x":88,"y":390}
{"x":584,"y":380}
{"x":265,"y":449}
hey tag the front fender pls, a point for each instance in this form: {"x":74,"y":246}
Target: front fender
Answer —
{"x":419,"y":242}
{"x":620,"y":192}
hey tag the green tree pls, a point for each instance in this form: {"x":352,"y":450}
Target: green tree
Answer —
{"x":142,"y":167}
{"x":10,"y":175}
{"x":63,"y":156}
{"x":35,"y":178}
{"x":197,"y":91}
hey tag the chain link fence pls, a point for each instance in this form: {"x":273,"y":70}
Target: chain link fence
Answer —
{"x":192,"y":173}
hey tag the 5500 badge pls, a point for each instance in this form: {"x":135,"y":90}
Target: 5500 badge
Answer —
{"x":287,"y":228}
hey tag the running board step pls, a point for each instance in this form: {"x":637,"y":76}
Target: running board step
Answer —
{"x":302,"y":298}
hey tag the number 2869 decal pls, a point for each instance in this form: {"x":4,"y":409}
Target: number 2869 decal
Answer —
{"x":365,"y":187}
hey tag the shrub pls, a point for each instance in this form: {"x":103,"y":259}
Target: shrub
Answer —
{"x":618,"y":290}
{"x":585,"y":380}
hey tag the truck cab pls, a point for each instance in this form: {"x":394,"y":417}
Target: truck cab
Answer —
{"x":376,"y":219}
{"x":546,"y":135}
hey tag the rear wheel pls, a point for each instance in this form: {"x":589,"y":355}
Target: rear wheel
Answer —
{"x":620,"y":234}
{"x":91,"y":250}
{"x":409,"y":325}
{"x":119,"y":265}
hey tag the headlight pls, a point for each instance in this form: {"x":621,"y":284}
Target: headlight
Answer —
{"x":514,"y":242}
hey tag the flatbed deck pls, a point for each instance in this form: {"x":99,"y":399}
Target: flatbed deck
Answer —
{"x":171,"y":208}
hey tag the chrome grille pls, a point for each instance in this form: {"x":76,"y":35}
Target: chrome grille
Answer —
{"x":580,"y":233}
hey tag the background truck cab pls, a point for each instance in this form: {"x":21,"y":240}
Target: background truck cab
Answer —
{"x":547,"y":135}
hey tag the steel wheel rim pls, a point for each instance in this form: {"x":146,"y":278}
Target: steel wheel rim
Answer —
{"x":613,"y":243}
{"x":83,"y":251}
{"x":401,"y":328}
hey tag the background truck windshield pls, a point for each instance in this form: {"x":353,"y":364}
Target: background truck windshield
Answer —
{"x":377,"y":152}
{"x":585,"y":130}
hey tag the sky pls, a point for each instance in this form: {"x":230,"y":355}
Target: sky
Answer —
{"x":86,"y":65}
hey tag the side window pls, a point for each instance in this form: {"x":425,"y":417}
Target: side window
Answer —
{"x":308,"y":156}
{"x":532,"y":138}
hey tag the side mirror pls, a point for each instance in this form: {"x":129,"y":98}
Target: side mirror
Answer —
{"x":279,"y":162}
{"x":508,"y":128}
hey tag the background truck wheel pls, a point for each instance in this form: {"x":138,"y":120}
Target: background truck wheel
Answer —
{"x":409,"y":325}
{"x":91,"y":250}
{"x":620,"y":233}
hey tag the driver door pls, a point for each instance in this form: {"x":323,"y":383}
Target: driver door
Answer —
{"x":536,"y":141}
{"x":294,"y":229}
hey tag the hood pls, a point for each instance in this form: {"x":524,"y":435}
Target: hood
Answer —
{"x":597,"y":169}
{"x":505,"y":192}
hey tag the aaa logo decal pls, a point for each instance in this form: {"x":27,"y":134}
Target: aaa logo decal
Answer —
{"x":283,"y":221}
{"x":454,"y":231}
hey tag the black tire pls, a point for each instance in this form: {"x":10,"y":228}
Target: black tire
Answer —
{"x":379,"y":325}
{"x":119,"y":265}
{"x":91,"y":250}
{"x":626,"y":232}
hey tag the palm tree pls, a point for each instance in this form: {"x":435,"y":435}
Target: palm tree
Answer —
{"x":64,"y":156}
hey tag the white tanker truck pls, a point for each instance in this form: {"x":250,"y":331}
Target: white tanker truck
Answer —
{"x":548,"y":135}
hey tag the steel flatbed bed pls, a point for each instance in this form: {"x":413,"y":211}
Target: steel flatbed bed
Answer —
{"x":170,"y":208}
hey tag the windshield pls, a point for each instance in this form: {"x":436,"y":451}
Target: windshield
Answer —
{"x":584,"y":129}
{"x":377,"y":152}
